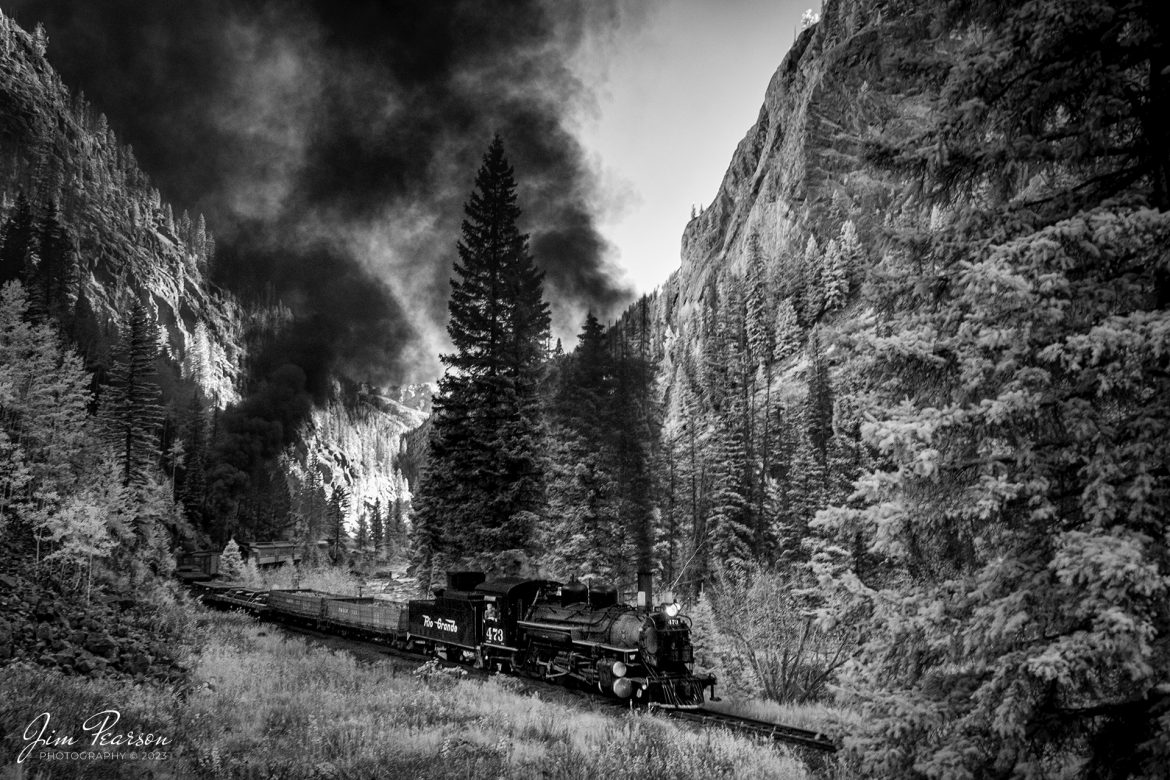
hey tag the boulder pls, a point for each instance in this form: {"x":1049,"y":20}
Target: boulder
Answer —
{"x":101,"y":645}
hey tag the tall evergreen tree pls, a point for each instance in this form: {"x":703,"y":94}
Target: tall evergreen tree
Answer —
{"x":1017,"y":368}
{"x":338,"y":507}
{"x":581,"y":488}
{"x":44,"y":430}
{"x":231,"y":562}
{"x":362,"y":537}
{"x":18,"y":241}
{"x":377,"y":528}
{"x":484,"y":480}
{"x":131,"y":403}
{"x":56,"y":274}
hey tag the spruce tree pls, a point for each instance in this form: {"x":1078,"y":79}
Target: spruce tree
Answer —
{"x":362,"y":538}
{"x":19,"y":242}
{"x":56,"y":274}
{"x":581,"y":486}
{"x":396,"y":523}
{"x":131,"y":406}
{"x":231,"y":563}
{"x":484,"y":480}
{"x":377,"y":529}
{"x":338,"y":507}
{"x":788,"y":333}
{"x":44,"y":431}
{"x":1017,"y":370}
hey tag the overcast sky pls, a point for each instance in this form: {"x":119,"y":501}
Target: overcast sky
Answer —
{"x":674,"y":96}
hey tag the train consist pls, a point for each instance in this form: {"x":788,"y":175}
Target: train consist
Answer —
{"x":539,"y":628}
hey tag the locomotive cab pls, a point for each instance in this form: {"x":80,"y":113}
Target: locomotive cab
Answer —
{"x":506,"y":601}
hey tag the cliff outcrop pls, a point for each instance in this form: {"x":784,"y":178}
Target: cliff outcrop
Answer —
{"x":796,"y":173}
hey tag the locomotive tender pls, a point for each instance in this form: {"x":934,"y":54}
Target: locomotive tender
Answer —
{"x":539,"y":628}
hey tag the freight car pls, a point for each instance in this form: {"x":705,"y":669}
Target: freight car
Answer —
{"x":203,"y":565}
{"x":197,"y":566}
{"x":540,"y":628}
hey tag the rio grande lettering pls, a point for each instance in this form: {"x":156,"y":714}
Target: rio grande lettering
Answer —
{"x":441,"y":624}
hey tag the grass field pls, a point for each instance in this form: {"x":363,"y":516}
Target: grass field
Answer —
{"x":265,"y":704}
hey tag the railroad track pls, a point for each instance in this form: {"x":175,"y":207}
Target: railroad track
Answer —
{"x":762,"y":728}
{"x":776,"y":732}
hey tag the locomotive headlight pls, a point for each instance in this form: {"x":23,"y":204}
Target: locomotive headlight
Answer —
{"x":672,"y":610}
{"x":619,"y":669}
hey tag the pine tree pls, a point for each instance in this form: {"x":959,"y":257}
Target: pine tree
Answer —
{"x":731,"y":523}
{"x":633,"y":435}
{"x":44,"y":430}
{"x":836,"y":276}
{"x":231,"y":563}
{"x":582,"y":491}
{"x":130,"y":405}
{"x":377,"y":529}
{"x":812,"y":282}
{"x":818,"y":414}
{"x":338,"y":508}
{"x":19,"y":242}
{"x":484,"y":482}
{"x":56,"y":274}
{"x":788,"y":334}
{"x":192,"y":477}
{"x":760,"y":319}
{"x":396,"y":525}
{"x":362,"y":538}
{"x":1018,"y":625}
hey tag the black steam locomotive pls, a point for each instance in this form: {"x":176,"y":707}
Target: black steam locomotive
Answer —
{"x":539,"y":628}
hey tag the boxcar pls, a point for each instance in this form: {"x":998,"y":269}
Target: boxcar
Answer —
{"x":265,"y":554}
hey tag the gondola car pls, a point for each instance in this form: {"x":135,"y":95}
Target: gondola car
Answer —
{"x":368,"y":618}
{"x":299,"y":607}
{"x":232,"y":595}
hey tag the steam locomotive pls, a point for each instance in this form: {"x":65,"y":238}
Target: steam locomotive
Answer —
{"x":539,"y":628}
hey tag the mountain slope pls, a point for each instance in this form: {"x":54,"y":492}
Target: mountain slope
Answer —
{"x":129,"y":245}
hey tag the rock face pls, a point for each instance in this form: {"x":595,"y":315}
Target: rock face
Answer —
{"x":795,"y":173}
{"x":357,"y":440}
{"x":130,"y":246}
{"x":129,"y":243}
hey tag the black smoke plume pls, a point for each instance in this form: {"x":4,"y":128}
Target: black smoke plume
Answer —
{"x":332,"y":144}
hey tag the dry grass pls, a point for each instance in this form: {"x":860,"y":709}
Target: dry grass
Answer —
{"x":821,"y":717}
{"x":267,"y":704}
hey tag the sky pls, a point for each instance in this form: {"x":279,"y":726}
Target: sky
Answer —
{"x":674,"y":96}
{"x":332,"y":145}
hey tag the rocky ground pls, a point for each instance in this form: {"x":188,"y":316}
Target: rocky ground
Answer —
{"x":42,"y":624}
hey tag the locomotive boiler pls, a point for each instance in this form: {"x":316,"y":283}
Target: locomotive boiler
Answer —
{"x":584,"y":634}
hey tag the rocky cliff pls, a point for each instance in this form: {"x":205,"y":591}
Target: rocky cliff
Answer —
{"x":796,"y":173}
{"x":56,"y":148}
{"x":128,"y":242}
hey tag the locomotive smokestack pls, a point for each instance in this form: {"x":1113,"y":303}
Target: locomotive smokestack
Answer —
{"x":645,"y":590}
